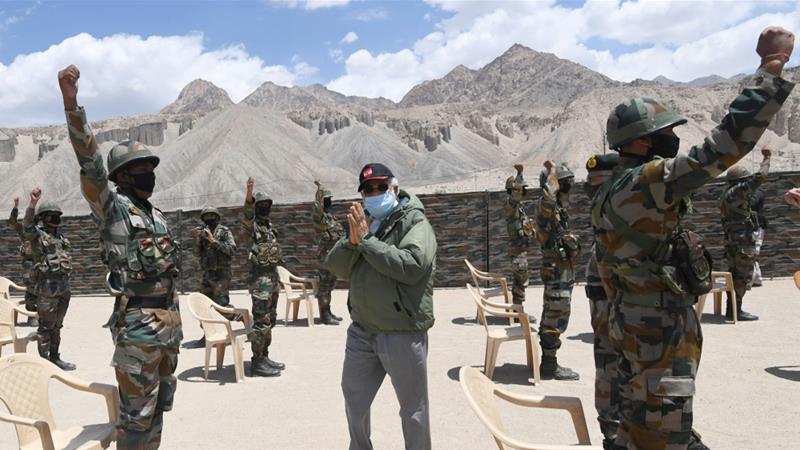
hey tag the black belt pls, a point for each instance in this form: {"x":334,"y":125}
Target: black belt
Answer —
{"x":159,"y":302}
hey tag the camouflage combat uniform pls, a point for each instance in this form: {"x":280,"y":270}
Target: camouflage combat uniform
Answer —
{"x":520,"y":233}
{"x":329,"y":231}
{"x":141,"y":256}
{"x":739,"y":223}
{"x":560,"y":250}
{"x":264,"y":286}
{"x":654,"y":327}
{"x":52,"y":265}
{"x":215,"y":260}
{"x":26,"y":252}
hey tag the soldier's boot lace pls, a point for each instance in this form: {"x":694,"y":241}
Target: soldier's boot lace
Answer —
{"x":550,"y":370}
{"x":273,"y":364}
{"x":55,"y":358}
{"x":259,"y":368}
{"x":33,"y":322}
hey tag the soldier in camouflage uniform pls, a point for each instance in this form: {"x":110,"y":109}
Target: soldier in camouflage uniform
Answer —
{"x":265,"y":257}
{"x":26,"y":252}
{"x":653,"y":325}
{"x":606,"y":384}
{"x":520,"y":234}
{"x":329,"y":231}
{"x":739,"y":223}
{"x":141,"y":255}
{"x":52,"y":264}
{"x":214,"y":247}
{"x":560,"y":250}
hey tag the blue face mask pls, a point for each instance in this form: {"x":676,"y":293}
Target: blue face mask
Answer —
{"x":379,"y":206}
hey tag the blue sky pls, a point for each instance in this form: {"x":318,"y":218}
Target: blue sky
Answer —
{"x":136,"y":56}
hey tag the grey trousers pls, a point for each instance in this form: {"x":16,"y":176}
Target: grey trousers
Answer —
{"x":368,"y":358}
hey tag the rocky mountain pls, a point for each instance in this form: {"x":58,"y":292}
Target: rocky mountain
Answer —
{"x":461,"y":132}
{"x":519,"y":78}
{"x":198,"y":97}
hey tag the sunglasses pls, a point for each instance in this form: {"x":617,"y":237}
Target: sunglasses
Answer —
{"x":382,"y":187}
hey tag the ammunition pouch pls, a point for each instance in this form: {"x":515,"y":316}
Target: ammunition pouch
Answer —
{"x":693,"y":262}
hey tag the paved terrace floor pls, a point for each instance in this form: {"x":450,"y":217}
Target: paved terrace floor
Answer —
{"x":748,"y":391}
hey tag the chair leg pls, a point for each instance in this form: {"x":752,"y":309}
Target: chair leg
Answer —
{"x":717,"y":303}
{"x":495,"y":346}
{"x":207,"y":361}
{"x":286,"y":316}
{"x":220,"y":355}
{"x":238,"y":358}
{"x":295,"y":309}
{"x":537,"y":377}
{"x":310,"y":312}
{"x":735,"y":305}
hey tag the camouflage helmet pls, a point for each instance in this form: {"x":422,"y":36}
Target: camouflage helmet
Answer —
{"x":261,"y":197}
{"x":563,"y":172}
{"x":210,"y":210}
{"x":514,"y":184}
{"x":327,"y":193}
{"x":125,"y":153}
{"x":737,"y":173}
{"x":48,"y":207}
{"x":636,"y":118}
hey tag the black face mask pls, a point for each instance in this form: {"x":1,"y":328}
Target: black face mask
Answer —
{"x":263,"y":210}
{"x":564,"y":188}
{"x":52,"y":220}
{"x":664,"y":145}
{"x":211,"y":223}
{"x":326,"y":203}
{"x":590,"y":190}
{"x":145,"y":182}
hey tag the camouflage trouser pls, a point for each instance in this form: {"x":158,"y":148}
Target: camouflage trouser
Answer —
{"x":659,"y":352}
{"x":741,"y":257}
{"x":215,"y":285}
{"x":519,"y":273}
{"x":558,"y":277}
{"x":145,"y":359}
{"x":327,"y":281}
{"x":30,"y":282}
{"x":264,"y":289}
{"x":606,"y":380}
{"x":51,"y":310}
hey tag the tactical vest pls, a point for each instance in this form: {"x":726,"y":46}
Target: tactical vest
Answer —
{"x":561,"y":243}
{"x":53,"y":256}
{"x":139,"y":247}
{"x":211,"y":258}
{"x":333,"y":229}
{"x":680,"y":261}
{"x":265,"y":252}
{"x":738,"y":224}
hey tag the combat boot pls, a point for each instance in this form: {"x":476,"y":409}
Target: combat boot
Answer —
{"x":273,"y":364}
{"x":326,"y":317}
{"x":55,"y":358}
{"x":550,"y":370}
{"x":33,"y":322}
{"x":744,"y":316}
{"x":259,"y":368}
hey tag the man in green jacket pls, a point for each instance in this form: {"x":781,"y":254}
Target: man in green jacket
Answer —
{"x":389,"y":257}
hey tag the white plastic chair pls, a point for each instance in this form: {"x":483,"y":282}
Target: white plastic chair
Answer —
{"x":5,"y":292}
{"x":481,"y":394}
{"x":290,"y":282}
{"x":8,"y":326}
{"x":219,"y":332}
{"x":479,"y":276}
{"x":24,"y":389}
{"x":721,"y":282}
{"x":497,"y":335}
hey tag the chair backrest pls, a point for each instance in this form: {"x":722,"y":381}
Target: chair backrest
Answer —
{"x":7,"y":332}
{"x":202,"y":308}
{"x":797,"y":279}
{"x":472,"y":272}
{"x":24,"y":389}
{"x":479,"y":391}
{"x":285,"y":278}
{"x":5,"y":288}
{"x":479,"y":276}
{"x":476,"y":297}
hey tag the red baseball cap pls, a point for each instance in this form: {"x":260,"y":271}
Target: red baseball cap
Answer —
{"x":373,"y":171}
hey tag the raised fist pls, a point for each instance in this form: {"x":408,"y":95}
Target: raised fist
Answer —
{"x":317,"y":183}
{"x":775,"y":46}
{"x":16,"y":202}
{"x":36,"y":194}
{"x":766,"y":152}
{"x":518,"y":167}
{"x":549,"y":165}
{"x":68,"y":82}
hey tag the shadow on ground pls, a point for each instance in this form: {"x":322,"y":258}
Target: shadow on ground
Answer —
{"x":508,"y":373}
{"x":471,"y":321}
{"x":713,"y":319}
{"x":586,"y":338}
{"x":783,"y":372}
{"x":218,"y":376}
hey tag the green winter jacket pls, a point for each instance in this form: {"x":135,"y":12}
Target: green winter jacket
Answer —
{"x":391,"y":272}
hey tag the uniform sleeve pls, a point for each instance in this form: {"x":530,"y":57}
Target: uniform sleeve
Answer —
{"x":318,"y":211}
{"x":545,"y":215}
{"x":341,"y":259}
{"x":29,"y":231}
{"x":247,"y":216}
{"x":762,"y":174}
{"x":94,"y":178}
{"x":409,"y":260}
{"x":749,"y":115}
{"x":13,"y":220}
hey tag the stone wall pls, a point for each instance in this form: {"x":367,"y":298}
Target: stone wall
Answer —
{"x":460,"y":221}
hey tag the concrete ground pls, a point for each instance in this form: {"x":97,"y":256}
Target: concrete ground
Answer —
{"x":748,"y":388}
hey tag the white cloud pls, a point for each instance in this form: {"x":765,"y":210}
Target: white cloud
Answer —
{"x":692,"y":39}
{"x":370,"y":15}
{"x":336,"y":55}
{"x":349,"y":38}
{"x":126,"y":75}
{"x":309,"y":4}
